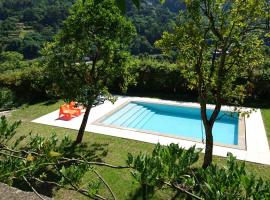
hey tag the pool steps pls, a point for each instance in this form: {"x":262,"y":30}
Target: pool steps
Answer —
{"x":138,"y":119}
{"x":120,"y":113}
{"x":132,"y":115}
{"x":145,"y":120}
{"x":127,"y":115}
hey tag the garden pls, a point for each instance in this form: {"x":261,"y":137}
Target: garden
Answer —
{"x":210,"y":52}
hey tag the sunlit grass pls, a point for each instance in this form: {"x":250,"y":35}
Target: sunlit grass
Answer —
{"x":266,"y":119}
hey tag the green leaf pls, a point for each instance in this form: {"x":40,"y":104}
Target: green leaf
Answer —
{"x":54,"y":154}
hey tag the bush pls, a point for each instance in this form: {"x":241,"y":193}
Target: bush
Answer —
{"x":11,"y":61}
{"x":6,"y":99}
{"x":172,"y":166}
{"x":158,"y":76}
{"x":27,"y":83}
{"x":262,"y":82}
{"x":46,"y":164}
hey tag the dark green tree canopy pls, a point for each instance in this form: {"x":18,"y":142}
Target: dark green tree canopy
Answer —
{"x":87,"y":52}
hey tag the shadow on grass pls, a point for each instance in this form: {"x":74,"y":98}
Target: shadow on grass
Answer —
{"x":50,"y":102}
{"x":95,"y":152}
{"x":150,"y":193}
{"x":143,"y":192}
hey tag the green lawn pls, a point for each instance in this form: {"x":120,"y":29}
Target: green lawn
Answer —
{"x":112,"y":150}
{"x":266,"y":119}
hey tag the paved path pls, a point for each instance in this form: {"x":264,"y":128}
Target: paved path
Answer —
{"x":5,"y":113}
{"x":11,"y":193}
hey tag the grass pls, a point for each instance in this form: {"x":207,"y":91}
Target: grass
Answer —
{"x":113,"y":150}
{"x":266,"y":119}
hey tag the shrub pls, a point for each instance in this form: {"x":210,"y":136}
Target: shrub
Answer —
{"x":160,"y":76}
{"x":172,"y":166}
{"x":27,"y":83}
{"x":6,"y":99}
{"x":11,"y":61}
{"x":43,"y":164}
{"x":261,"y":82}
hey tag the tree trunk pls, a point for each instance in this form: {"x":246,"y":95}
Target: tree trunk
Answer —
{"x":209,"y":146}
{"x":83,"y":125}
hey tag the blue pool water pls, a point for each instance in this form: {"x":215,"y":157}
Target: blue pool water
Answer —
{"x":174,"y":120}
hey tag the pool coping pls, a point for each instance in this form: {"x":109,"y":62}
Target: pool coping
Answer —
{"x":241,"y":126}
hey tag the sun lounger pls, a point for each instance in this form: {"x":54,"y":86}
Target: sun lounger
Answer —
{"x":68,"y":112}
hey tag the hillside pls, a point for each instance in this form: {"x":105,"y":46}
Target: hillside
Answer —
{"x":151,"y":20}
{"x":26,"y":24}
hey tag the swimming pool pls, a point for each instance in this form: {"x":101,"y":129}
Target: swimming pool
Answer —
{"x":175,"y":121}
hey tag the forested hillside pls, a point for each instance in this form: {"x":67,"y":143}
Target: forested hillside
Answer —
{"x":26,"y":24}
{"x":151,"y":20}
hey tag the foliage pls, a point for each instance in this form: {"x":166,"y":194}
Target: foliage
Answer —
{"x":231,"y":181}
{"x":25,"y":80}
{"x":46,"y":161}
{"x":25,"y":25}
{"x":165,"y":163}
{"x":6,"y":98}
{"x":20,"y":80}
{"x":7,"y":131}
{"x":101,"y":27}
{"x":11,"y":61}
{"x":219,"y":45}
{"x":150,"y":20}
{"x":171,"y":167}
{"x":261,"y":81}
{"x":31,"y":44}
{"x":157,"y":75}
{"x":122,"y":4}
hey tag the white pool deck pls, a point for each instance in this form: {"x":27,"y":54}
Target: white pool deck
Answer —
{"x":257,"y":148}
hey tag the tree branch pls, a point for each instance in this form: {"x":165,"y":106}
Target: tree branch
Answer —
{"x":106,"y":184}
{"x":64,"y":159}
{"x":11,"y":155}
{"x":29,"y":184}
{"x":95,"y":163}
{"x":183,"y":190}
{"x":68,"y":188}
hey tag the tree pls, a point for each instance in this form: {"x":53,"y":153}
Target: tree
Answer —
{"x":94,"y":30}
{"x":10,"y":61}
{"x":31,"y":45}
{"x":122,"y":4}
{"x":219,"y":45}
